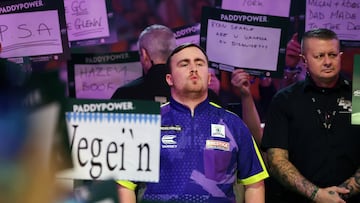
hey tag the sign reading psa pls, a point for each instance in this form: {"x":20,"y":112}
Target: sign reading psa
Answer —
{"x":30,"y":34}
{"x":86,"y":19}
{"x":33,"y":28}
{"x":98,"y":76}
{"x":117,"y":139}
{"x":237,"y":40}
{"x":341,"y":16}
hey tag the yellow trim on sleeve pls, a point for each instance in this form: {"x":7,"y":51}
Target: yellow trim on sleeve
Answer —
{"x":259,"y":176}
{"x":128,"y":184}
{"x":254,"y":179}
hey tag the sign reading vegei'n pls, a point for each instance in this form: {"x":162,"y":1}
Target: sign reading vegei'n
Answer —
{"x":114,"y":139}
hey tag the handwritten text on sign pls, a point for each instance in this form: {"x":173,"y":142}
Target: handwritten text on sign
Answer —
{"x":114,"y":145}
{"x":341,"y":16}
{"x":246,"y":43}
{"x":99,"y":81}
{"x":30,"y":34}
{"x":86,"y":19}
{"x":266,"y":7}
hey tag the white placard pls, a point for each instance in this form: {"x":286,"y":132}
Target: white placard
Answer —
{"x":340,"y":16}
{"x":241,"y":45}
{"x":267,"y":7}
{"x":86,"y":19}
{"x":195,"y":39}
{"x":188,"y":34}
{"x":114,"y":145}
{"x":30,"y":34}
{"x":99,"y":81}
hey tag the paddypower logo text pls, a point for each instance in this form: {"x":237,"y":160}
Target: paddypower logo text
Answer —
{"x":112,"y":106}
{"x":21,"y":6}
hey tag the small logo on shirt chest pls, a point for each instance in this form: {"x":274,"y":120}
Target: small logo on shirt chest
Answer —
{"x":217,"y":130}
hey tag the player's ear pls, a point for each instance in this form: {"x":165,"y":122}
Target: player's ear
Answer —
{"x":169,"y":80}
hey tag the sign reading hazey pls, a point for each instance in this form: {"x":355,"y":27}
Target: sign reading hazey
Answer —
{"x":116,"y":139}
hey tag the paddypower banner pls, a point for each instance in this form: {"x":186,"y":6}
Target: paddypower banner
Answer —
{"x":116,"y":139}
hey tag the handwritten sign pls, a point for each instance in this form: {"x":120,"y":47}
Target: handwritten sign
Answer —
{"x":86,"y":19}
{"x":340,"y":16}
{"x":98,"y":76}
{"x":249,"y":44}
{"x":187,"y":34}
{"x":30,"y":34}
{"x":355,"y":116}
{"x":243,"y":40}
{"x":114,"y":139}
{"x":266,"y":7}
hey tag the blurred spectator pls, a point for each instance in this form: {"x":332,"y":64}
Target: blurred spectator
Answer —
{"x":171,"y":13}
{"x":196,"y":8}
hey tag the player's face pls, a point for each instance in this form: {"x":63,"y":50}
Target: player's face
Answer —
{"x":189,"y":72}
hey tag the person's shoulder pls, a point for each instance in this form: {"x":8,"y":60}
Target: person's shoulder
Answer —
{"x":134,"y":83}
{"x":222,"y":112}
{"x":165,"y":108}
{"x":129,"y":90}
{"x":292,"y":89}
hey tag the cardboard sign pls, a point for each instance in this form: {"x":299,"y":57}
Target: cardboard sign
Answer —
{"x":340,"y":16}
{"x":32,"y":28}
{"x":239,"y":40}
{"x":187,"y":34}
{"x":86,"y":19}
{"x":267,"y":7}
{"x":116,"y":139}
{"x":24,"y":36}
{"x":98,"y":76}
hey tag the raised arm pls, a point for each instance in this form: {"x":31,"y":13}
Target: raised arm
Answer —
{"x":240,"y":81}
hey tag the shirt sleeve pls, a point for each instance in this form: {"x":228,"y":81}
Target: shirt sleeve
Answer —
{"x":276,"y":127}
{"x":251,"y":167}
{"x":127,"y":184}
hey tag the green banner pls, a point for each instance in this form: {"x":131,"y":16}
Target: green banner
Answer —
{"x":355,"y":117}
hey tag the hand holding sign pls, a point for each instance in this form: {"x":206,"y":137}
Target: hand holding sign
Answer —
{"x":293,"y":50}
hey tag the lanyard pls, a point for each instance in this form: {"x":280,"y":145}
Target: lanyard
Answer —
{"x":326,"y":117}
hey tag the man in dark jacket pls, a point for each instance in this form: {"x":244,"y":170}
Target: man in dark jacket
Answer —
{"x":155,"y":44}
